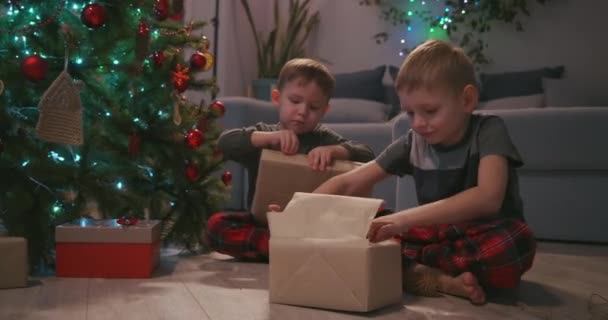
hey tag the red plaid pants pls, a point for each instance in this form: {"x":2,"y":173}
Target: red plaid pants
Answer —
{"x":238,"y":235}
{"x":497,"y":252}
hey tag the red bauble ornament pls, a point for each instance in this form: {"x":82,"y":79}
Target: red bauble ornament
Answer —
{"x":158,"y":57}
{"x":134,"y":144}
{"x":227,"y":178}
{"x":93,"y":15}
{"x":161,"y":9}
{"x":198,"y":61}
{"x":34,"y":68}
{"x":126,"y":221}
{"x":143,"y":29}
{"x":192,"y":172}
{"x":194,"y":138}
{"x":218,"y":108}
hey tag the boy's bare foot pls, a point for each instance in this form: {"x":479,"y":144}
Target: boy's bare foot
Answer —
{"x":421,"y":280}
{"x":464,"y":285}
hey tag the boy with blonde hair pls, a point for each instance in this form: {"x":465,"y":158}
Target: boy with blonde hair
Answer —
{"x":468,"y":234}
{"x":302,"y":97}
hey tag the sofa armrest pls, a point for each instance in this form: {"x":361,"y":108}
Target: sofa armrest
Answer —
{"x":243,"y":112}
{"x":401,"y":125}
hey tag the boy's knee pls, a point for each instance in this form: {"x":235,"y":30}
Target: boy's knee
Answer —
{"x":214,"y":220}
{"x":213,"y":226}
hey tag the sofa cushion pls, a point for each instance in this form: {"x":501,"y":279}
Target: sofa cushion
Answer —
{"x":564,"y":93}
{"x":520,"y":102}
{"x":365,"y":84}
{"x":355,"y":110}
{"x":512,"y":84}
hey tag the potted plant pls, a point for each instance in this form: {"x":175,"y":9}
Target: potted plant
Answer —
{"x":283,"y":43}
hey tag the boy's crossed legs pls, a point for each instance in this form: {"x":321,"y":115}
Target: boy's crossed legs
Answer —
{"x":462,"y":259}
{"x":458,"y":259}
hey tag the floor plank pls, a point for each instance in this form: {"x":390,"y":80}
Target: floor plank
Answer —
{"x":216,"y":287}
{"x":163,"y":297}
{"x":51,"y":298}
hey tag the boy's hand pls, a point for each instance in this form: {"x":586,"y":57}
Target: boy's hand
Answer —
{"x":274,"y":208}
{"x":287,"y":140}
{"x":322,"y":157}
{"x":382,"y":229}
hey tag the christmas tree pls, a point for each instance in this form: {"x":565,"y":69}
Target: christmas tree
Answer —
{"x":94,"y":120}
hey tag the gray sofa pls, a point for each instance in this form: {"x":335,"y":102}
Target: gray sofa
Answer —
{"x":564,"y":181}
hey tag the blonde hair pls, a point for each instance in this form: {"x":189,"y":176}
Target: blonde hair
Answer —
{"x":308,"y":70}
{"x":436,"y":64}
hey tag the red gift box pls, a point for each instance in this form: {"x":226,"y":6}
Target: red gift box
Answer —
{"x":88,"y":248}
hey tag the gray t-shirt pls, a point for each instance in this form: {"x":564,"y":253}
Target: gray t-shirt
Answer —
{"x":440,"y":172}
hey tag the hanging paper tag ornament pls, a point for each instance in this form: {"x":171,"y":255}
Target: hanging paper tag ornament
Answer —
{"x":60,"y":117}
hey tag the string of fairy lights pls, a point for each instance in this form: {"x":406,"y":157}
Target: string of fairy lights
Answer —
{"x":16,"y":12}
{"x":426,"y":18}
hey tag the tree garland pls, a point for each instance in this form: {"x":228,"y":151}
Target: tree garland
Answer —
{"x":35,"y":26}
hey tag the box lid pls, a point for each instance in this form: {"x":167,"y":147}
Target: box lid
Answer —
{"x":86,"y":230}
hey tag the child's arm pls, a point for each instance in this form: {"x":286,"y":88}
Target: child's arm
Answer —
{"x":344,"y":149}
{"x":242,"y":144}
{"x":483,"y":200}
{"x":286,"y":140}
{"x":236,"y":144}
{"x":332,"y":147}
{"x":358,"y":182}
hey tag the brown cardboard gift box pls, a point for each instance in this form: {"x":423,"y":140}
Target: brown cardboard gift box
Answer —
{"x":280,"y":175}
{"x":13,"y":262}
{"x":319,"y":256}
{"x":106,"y":249}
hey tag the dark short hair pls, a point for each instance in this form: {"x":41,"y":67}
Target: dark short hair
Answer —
{"x":308,"y":70}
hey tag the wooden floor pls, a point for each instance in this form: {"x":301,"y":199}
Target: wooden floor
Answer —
{"x":217,"y":288}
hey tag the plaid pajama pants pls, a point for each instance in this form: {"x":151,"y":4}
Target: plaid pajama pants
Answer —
{"x":238,"y":235}
{"x":497,"y":252}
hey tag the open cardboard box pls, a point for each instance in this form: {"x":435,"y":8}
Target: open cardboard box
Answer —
{"x":319,"y":256}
